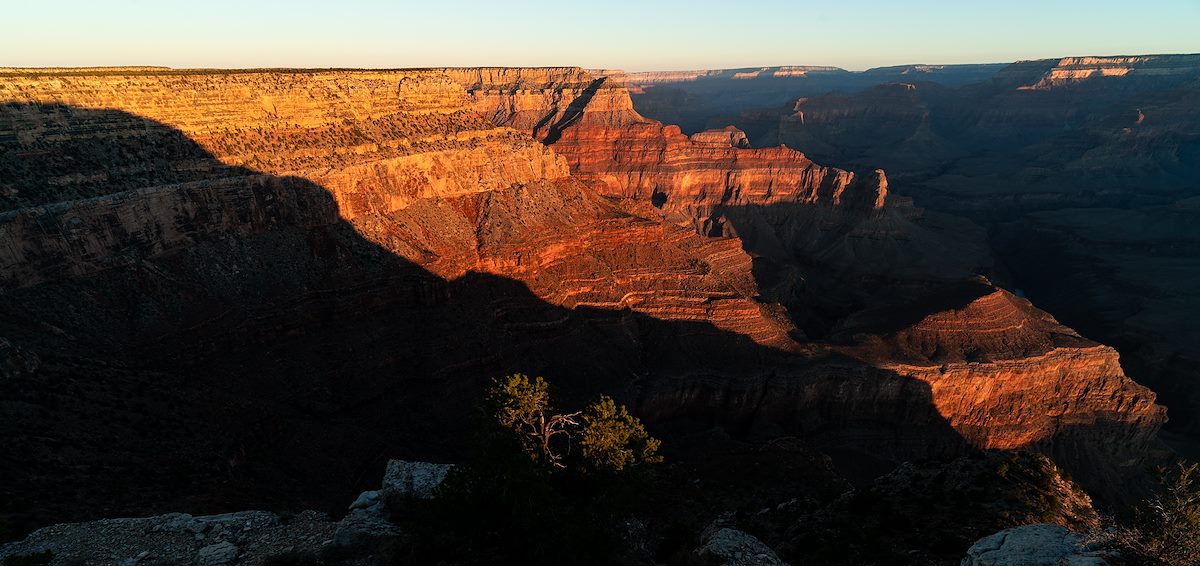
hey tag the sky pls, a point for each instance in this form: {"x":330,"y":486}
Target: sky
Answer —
{"x":615,"y":34}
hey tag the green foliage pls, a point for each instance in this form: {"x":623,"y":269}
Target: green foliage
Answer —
{"x":1166,"y":527}
{"x":517,"y":403}
{"x":35,"y":559}
{"x":613,"y":439}
{"x":522,"y":407}
{"x":526,"y":496}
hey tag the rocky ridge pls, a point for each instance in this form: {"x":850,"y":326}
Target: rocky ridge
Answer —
{"x":715,"y":183}
{"x":1082,"y":167}
{"x":383,"y":145}
{"x":1069,"y":70}
{"x":238,"y":538}
{"x":1006,"y":348}
{"x":1030,"y":545}
{"x":343,"y":251}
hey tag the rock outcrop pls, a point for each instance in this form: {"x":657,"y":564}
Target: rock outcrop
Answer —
{"x":243,"y":537}
{"x":776,"y":200}
{"x":1070,"y":70}
{"x":250,"y":271}
{"x":1033,"y":545}
{"x":591,"y":122}
{"x":783,"y":207}
{"x":723,"y":546}
{"x":246,"y":537}
{"x":1083,"y":166}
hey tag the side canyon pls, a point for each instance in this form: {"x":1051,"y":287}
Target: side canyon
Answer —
{"x":231,"y":289}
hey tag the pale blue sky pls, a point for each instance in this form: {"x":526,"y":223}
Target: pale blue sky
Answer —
{"x":632,"y":35}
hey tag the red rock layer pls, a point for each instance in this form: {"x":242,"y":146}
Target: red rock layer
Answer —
{"x":776,"y":200}
{"x":1002,"y":373}
{"x":591,"y":121}
{"x":1007,"y":375}
{"x":403,"y":158}
{"x":1070,"y":70}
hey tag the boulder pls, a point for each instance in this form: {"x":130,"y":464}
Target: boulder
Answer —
{"x":724,"y":546}
{"x":217,"y":554}
{"x":416,"y":479}
{"x":366,"y":527}
{"x":1033,"y":545}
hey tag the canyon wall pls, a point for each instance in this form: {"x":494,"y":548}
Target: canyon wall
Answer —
{"x":1083,"y":169}
{"x":774,"y":199}
{"x":228,"y":274}
{"x":384,"y":144}
{"x":832,"y":226}
{"x":1075,"y":132}
{"x":250,"y":284}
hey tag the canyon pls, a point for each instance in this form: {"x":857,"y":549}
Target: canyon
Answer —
{"x":1081,"y":169}
{"x":229,"y":289}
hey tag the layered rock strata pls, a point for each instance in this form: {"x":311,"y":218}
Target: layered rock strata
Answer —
{"x":391,"y":149}
{"x":979,"y":350}
{"x":245,"y":269}
{"x":718,"y":185}
{"x":307,"y":259}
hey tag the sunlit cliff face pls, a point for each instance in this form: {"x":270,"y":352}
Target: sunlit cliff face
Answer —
{"x":409,"y":161}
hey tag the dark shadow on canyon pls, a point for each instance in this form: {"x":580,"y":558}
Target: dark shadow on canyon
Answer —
{"x":275,"y":358}
{"x":848,"y":277}
{"x":569,"y":116}
{"x":827,"y":263}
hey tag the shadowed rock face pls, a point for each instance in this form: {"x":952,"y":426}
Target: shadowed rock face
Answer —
{"x":1126,"y":275}
{"x":784,"y":208}
{"x":842,"y":238}
{"x":1000,"y":148}
{"x":1084,"y":170}
{"x":591,"y":121}
{"x":699,"y":100}
{"x":325,"y":267}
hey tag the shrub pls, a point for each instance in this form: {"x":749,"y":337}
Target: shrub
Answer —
{"x":526,"y":496}
{"x":1166,"y":527}
{"x":522,"y":406}
{"x":613,"y":439}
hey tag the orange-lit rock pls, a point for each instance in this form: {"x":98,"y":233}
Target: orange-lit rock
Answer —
{"x":1002,"y":373}
{"x":406,"y":161}
{"x":591,"y":121}
{"x":366,"y":247}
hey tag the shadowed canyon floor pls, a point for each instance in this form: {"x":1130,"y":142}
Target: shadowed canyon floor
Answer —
{"x":233,"y":290}
{"x":1082,"y":169}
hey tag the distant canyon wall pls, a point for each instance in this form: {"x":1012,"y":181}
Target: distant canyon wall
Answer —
{"x":396,"y":230}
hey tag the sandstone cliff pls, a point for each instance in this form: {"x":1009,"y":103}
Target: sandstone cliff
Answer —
{"x":715,"y":183}
{"x":1069,"y":70}
{"x":591,"y":121}
{"x":783,"y":207}
{"x":385,"y":145}
{"x":307,"y":260}
{"x":282,"y":248}
{"x":1084,"y":166}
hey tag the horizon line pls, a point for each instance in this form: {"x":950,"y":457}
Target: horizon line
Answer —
{"x":151,"y":67}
